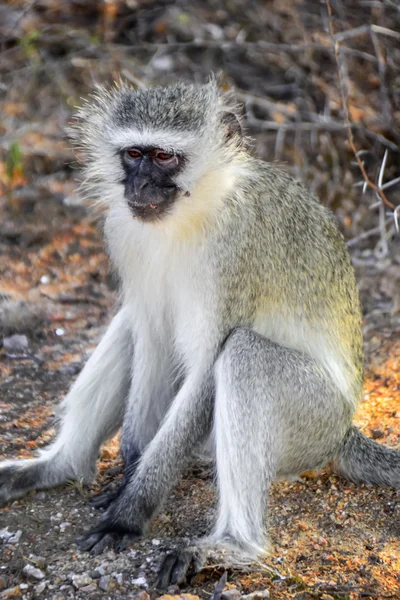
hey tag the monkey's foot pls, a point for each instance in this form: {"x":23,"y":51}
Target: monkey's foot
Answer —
{"x":180,"y":564}
{"x":108,"y":534}
{"x":104,"y":501}
{"x":19,"y":477}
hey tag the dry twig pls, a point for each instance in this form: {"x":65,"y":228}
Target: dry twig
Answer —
{"x":344,"y":93}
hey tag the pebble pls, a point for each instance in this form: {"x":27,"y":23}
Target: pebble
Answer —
{"x":92,"y":587}
{"x":142,"y":596}
{"x":79,"y":581}
{"x":12,"y":592}
{"x":15,"y":343}
{"x":107,"y":584}
{"x":9,"y":537}
{"x":257,"y":595}
{"x":377,"y":433}
{"x":39,"y":588}
{"x":5,"y":534}
{"x":33,"y":572}
{"x":140,"y":581}
{"x":14,"y":539}
{"x":3,"y":582}
{"x":101,"y":569}
{"x":178,"y":597}
{"x":232,"y":594}
{"x":38,"y":561}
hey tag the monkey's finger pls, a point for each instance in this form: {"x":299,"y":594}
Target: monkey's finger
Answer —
{"x":125,"y":542}
{"x":106,"y":541}
{"x":88,"y":541}
{"x":181,"y":566}
{"x":164,"y":573}
{"x":103,"y":501}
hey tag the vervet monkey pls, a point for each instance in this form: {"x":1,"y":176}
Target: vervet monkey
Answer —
{"x":240,"y":321}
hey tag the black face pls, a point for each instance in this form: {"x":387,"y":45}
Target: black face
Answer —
{"x":150,"y":189}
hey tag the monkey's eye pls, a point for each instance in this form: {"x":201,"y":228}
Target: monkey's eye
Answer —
{"x":134,"y":153}
{"x":163,"y":156}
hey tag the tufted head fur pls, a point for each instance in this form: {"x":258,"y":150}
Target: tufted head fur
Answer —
{"x":198,"y":121}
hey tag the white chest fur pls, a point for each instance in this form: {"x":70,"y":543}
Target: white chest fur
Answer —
{"x":168,"y":302}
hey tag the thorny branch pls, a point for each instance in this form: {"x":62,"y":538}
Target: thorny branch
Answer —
{"x":344,"y":93}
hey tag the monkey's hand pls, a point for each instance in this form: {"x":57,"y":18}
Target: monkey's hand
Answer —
{"x":107,"y":535}
{"x":185,"y":562}
{"x":113,"y":530}
{"x":180,"y":564}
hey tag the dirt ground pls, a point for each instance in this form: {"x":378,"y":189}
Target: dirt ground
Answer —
{"x":329,"y":538}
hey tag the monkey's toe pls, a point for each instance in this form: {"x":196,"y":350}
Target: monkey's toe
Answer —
{"x":16,"y":481}
{"x":106,"y":535}
{"x":178,"y":565}
{"x":104,"y":501}
{"x":95,"y":542}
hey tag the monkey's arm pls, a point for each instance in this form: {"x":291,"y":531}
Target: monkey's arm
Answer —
{"x":93,"y":411}
{"x":186,"y":426}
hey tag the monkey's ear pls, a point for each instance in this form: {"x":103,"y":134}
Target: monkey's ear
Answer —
{"x":231,"y":125}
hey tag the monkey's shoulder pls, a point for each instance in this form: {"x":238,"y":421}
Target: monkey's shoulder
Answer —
{"x":279,"y":208}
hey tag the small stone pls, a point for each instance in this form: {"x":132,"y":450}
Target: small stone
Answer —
{"x":15,"y":343}
{"x":107,"y":584}
{"x":5,"y":534}
{"x":95,"y":574}
{"x":178,"y":597}
{"x":140,"y":581}
{"x":156,"y":542}
{"x":38,"y":561}
{"x":39,"y":588}
{"x":377,"y":433}
{"x":101,"y":570}
{"x":232,"y":594}
{"x":12,"y":592}
{"x":3,"y":582}
{"x":92,"y":587}
{"x":33,"y":572}
{"x":257,"y":595}
{"x":142,"y":596}
{"x":14,"y":539}
{"x":64,"y":525}
{"x":79,"y":581}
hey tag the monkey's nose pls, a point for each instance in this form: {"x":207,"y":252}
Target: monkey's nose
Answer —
{"x":139,"y":186}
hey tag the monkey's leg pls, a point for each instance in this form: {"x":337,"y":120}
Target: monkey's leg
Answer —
{"x":185,"y":427}
{"x":275,"y":414}
{"x":93,"y":411}
{"x":153,"y":387}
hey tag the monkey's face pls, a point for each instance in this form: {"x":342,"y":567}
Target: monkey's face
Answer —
{"x":149,"y":181}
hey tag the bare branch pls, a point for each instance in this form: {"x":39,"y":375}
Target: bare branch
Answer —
{"x":344,"y":94}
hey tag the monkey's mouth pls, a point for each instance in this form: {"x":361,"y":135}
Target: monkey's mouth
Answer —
{"x":152,"y":211}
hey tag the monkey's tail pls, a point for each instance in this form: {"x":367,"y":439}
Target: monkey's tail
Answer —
{"x":362,"y":460}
